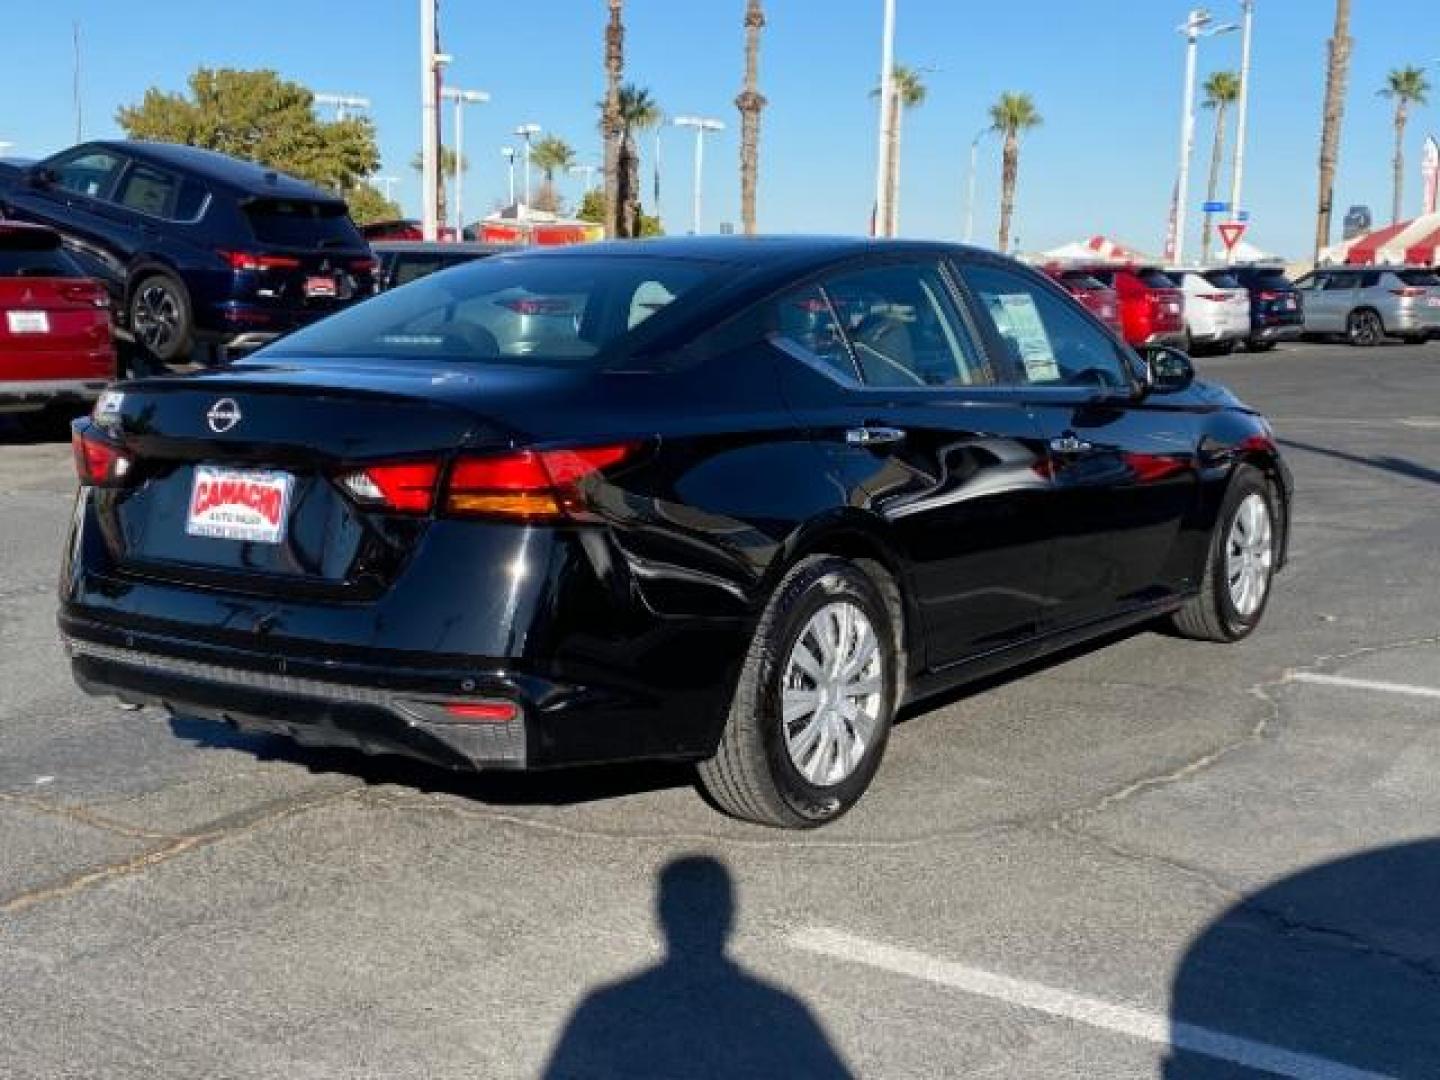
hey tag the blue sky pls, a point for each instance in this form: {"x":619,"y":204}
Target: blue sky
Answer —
{"x":1106,"y":76}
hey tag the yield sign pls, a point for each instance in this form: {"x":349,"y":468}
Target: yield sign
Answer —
{"x":1230,"y":233}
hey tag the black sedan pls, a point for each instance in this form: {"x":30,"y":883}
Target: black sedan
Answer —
{"x":730,"y":501}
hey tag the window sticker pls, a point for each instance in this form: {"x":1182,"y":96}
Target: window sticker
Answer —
{"x":1019,"y":320}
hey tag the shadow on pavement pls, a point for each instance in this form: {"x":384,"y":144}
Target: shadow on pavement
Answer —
{"x":557,"y":787}
{"x":1340,"y":963}
{"x":696,"y":1014}
{"x":1399,"y":466}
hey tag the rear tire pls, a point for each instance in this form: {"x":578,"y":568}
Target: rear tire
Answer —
{"x":1260,"y":346}
{"x":161,"y":319}
{"x":1364,"y":328}
{"x":808,"y":768}
{"x":1239,"y":565}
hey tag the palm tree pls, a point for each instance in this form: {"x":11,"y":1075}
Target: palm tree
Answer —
{"x":750,"y":102}
{"x":1337,"y":67}
{"x":1405,"y":86}
{"x":610,"y":121}
{"x":1009,"y":116}
{"x":908,"y":92}
{"x":639,"y":111}
{"x":1222,"y":89}
{"x":550,"y":155}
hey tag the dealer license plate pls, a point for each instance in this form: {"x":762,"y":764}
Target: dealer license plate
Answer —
{"x":27,"y":322}
{"x":239,"y":504}
{"x":321,"y":286}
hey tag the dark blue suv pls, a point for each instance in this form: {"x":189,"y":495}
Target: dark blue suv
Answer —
{"x":195,"y":247}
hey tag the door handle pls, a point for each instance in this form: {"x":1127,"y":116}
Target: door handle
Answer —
{"x":873,"y":436}
{"x":1070,"y":444}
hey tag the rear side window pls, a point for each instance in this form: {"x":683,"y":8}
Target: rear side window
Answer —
{"x":547,"y":310}
{"x":804,"y":324}
{"x":1104,"y":277}
{"x":1370,"y":280}
{"x":149,"y":190}
{"x":192,"y":200}
{"x":1418,"y":277}
{"x":302,"y":223}
{"x":1337,"y":282}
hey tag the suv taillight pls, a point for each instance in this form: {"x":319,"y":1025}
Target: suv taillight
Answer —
{"x":98,"y":461}
{"x":1409,"y":292}
{"x":249,"y":260}
{"x":526,"y":485}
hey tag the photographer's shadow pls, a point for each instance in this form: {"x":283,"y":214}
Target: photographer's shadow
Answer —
{"x":697,"y":1013}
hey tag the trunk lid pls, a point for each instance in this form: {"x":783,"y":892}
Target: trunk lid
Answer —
{"x":237,"y":473}
{"x":48,"y":315}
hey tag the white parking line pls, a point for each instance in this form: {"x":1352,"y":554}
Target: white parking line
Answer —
{"x":1367,"y":684}
{"x":1120,"y":1019}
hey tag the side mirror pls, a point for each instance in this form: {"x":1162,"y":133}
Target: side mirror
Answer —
{"x":1167,"y":369}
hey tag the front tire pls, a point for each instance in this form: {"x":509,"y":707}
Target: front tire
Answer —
{"x":1239,"y":566}
{"x":161,"y":319}
{"x":1364,"y":328}
{"x":814,"y":705}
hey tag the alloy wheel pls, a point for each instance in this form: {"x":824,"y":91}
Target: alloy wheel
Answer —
{"x":1249,"y":554}
{"x":832,"y":693}
{"x":1365,"y":328}
{"x":155,"y":317}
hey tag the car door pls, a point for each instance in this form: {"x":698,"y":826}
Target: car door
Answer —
{"x":69,"y":193}
{"x":1124,"y":465}
{"x":1338,"y":294}
{"x":888,"y":379}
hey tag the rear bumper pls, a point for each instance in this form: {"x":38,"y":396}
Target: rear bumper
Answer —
{"x":36,"y":394}
{"x":240,"y":324}
{"x":1165,"y":337}
{"x":1277,"y":331}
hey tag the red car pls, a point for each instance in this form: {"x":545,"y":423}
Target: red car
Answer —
{"x":1152,"y":309}
{"x":55,"y":342}
{"x":1093,"y":294}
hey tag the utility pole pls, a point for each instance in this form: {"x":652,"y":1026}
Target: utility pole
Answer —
{"x":461,"y":98}
{"x":429,"y":125}
{"x":1197,"y":25}
{"x":883,"y":213}
{"x":702,"y":125}
{"x":1237,"y":175}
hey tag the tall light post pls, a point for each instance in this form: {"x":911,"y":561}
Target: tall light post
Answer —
{"x":659,"y":216}
{"x":884,"y":215}
{"x":586,"y":171}
{"x":389,"y":182}
{"x":970,"y":193}
{"x":461,"y":98}
{"x":508,"y":153}
{"x":344,"y":104}
{"x":431,"y":61}
{"x":1199,"y":24}
{"x":1238,"y":173}
{"x":701,"y":124}
{"x":527,"y":132}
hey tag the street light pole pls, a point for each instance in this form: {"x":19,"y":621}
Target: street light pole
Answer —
{"x":461,"y":98}
{"x":588,"y":172}
{"x":527,"y":132}
{"x":389,"y":182}
{"x":508,"y":153}
{"x":970,"y":196}
{"x":883,"y":213}
{"x":1238,"y":173}
{"x":344,"y":104}
{"x":701,"y":124}
{"x":1197,"y":25}
{"x":429,"y":121}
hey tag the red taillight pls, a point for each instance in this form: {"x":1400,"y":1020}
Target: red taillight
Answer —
{"x":249,"y":260}
{"x":98,"y":462}
{"x":538,"y":306}
{"x":404,"y":487}
{"x":529,"y":484}
{"x":1215,"y":297}
{"x":363,"y":266}
{"x":1266,"y":294}
{"x":483,"y":712}
{"x":1409,"y":293}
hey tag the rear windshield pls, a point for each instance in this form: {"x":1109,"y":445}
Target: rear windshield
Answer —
{"x":563,"y":310}
{"x":1153,"y":279}
{"x":1221,"y":279}
{"x":48,"y":262}
{"x":302,"y":223}
{"x":1418,"y":277}
{"x":1078,"y":279}
{"x":1273,"y":278}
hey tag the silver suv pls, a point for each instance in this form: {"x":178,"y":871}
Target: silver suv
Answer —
{"x":1367,"y":303}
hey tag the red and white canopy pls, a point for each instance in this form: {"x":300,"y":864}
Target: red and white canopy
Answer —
{"x":1097,"y":249}
{"x":1413,"y":241}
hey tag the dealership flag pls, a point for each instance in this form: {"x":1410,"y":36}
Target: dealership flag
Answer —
{"x":1430,"y":170}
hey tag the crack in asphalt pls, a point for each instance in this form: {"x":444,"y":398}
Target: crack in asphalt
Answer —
{"x":82,"y":816}
{"x":229,"y":827}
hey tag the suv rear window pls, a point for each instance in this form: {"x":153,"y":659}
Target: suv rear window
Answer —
{"x":1078,"y":279}
{"x":1153,"y":279}
{"x":302,"y":223}
{"x":561,"y":311}
{"x":1221,"y":279}
{"x":1272,"y":278}
{"x":1418,"y":277}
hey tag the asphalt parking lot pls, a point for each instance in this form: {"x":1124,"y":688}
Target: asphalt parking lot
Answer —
{"x":1151,"y":858}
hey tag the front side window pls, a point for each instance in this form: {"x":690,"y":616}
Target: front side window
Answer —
{"x":548,"y":310}
{"x":1337,"y":283}
{"x":903,"y":329}
{"x":803,"y":323}
{"x":1049,"y":339}
{"x":89,"y":174}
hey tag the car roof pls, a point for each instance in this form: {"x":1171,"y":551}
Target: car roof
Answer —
{"x":439,"y":247}
{"x":244,"y":177}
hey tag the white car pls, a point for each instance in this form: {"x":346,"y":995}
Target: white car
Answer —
{"x":1217,"y":308}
